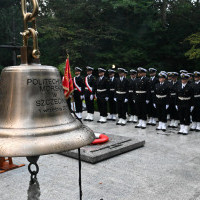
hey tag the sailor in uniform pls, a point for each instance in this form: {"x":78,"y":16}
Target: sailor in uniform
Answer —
{"x":196,"y":112}
{"x":184,"y":103}
{"x":112,"y":104}
{"x":161,"y":101}
{"x":90,"y":88}
{"x":79,"y":89}
{"x":172,"y":101}
{"x":142,"y":97}
{"x":153,"y":80}
{"x":131,"y":100}
{"x":102,"y":90}
{"x":121,"y":96}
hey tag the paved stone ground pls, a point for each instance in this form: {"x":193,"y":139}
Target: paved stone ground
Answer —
{"x":167,"y":168}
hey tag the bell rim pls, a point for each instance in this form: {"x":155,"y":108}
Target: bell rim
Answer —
{"x":48,"y":144}
{"x":40,"y":131}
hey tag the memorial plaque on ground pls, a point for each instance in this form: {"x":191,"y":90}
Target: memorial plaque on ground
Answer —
{"x":115,"y":146}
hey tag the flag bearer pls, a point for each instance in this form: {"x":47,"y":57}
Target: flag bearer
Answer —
{"x":184,"y":103}
{"x":79,"y":89}
{"x":102,"y":89}
{"x":90,"y":87}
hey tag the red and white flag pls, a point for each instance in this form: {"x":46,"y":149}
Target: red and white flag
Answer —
{"x":67,"y":81}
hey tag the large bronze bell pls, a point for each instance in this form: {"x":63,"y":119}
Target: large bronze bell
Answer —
{"x":34,"y":116}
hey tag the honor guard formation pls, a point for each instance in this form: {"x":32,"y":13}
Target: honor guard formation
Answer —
{"x":141,"y":99}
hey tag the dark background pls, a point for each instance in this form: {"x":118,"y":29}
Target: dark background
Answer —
{"x":99,"y":33}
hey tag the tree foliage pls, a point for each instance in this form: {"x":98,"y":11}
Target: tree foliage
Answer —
{"x":127,"y":33}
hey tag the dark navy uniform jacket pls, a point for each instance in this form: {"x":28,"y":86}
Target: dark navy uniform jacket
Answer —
{"x":184,"y":96}
{"x":161,"y":93}
{"x":142,"y":89}
{"x":102,"y":88}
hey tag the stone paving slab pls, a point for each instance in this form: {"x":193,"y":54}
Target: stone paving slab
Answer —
{"x":115,"y":146}
{"x":167,"y":168}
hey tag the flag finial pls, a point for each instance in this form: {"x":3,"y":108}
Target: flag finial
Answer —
{"x":67,"y":53}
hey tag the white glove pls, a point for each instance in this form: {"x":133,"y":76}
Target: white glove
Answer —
{"x":106,"y":98}
{"x":115,"y":99}
{"x":125,"y":100}
{"x":176,"y":107}
{"x":167,"y":106}
{"x":82,"y":97}
{"x":192,"y":108}
{"x":154,"y":105}
{"x":91,"y":97}
{"x":147,"y":101}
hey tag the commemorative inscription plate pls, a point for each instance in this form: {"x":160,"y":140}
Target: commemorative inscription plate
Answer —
{"x":115,"y":146}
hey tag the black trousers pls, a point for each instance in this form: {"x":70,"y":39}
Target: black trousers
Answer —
{"x":152,"y":112}
{"x":102,"y":106}
{"x":141,"y":110}
{"x":173,"y":112}
{"x":161,"y":112}
{"x":196,"y":114}
{"x":131,"y":105}
{"x":89,"y":104}
{"x":78,"y":102}
{"x":121,"y":109}
{"x":69,"y":104}
{"x":184,"y":114}
{"x":112,"y":106}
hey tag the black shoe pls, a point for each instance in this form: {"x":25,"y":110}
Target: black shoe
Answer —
{"x":103,"y":122}
{"x":98,"y":121}
{"x":153,"y":124}
{"x":143,"y":127}
{"x":163,"y":130}
{"x":192,"y":129}
{"x":138,"y":127}
{"x":85,"y":120}
{"x":149,"y":123}
{"x":197,"y":130}
{"x":180,"y":133}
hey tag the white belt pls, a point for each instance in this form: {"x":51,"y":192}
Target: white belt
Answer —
{"x":161,"y":96}
{"x":184,"y":98}
{"x":172,"y":94}
{"x":196,"y":96}
{"x":112,"y":89}
{"x":141,"y":92}
{"x":103,"y":90}
{"x":118,"y":92}
{"x":131,"y":91}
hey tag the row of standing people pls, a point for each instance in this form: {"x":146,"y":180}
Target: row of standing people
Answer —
{"x":141,"y":97}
